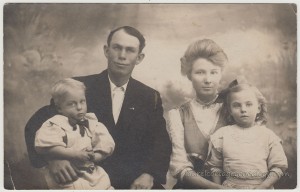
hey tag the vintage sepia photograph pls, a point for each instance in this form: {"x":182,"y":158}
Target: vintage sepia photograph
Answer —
{"x":150,"y":96}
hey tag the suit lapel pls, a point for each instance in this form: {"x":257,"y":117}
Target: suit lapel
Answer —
{"x":130,"y":105}
{"x":101,"y":99}
{"x":101,"y":103}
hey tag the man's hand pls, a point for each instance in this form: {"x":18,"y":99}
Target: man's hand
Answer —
{"x":144,"y":181}
{"x":63,"y":171}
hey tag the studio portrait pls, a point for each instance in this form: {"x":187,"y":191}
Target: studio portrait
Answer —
{"x":104,"y":96}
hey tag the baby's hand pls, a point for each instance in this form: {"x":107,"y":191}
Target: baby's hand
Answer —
{"x":84,"y":155}
{"x":92,"y":156}
{"x":91,"y":153}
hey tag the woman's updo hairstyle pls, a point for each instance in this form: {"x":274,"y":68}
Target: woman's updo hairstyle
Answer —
{"x":206,"y":49}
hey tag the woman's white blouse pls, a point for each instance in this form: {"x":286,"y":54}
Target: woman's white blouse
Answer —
{"x":206,"y":119}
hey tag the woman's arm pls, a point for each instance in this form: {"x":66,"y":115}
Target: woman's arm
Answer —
{"x":180,"y":166}
{"x":191,"y":178}
{"x":217,"y":178}
{"x":179,"y":162}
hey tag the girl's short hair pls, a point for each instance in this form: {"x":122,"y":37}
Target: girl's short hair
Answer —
{"x":206,"y":49}
{"x":62,"y":87}
{"x":261,"y":117}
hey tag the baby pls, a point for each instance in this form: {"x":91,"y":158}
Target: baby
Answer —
{"x":77,"y":136}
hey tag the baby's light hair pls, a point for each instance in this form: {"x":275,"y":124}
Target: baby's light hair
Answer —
{"x":261,"y":117}
{"x":62,"y":87}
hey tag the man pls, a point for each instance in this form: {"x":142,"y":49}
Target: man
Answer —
{"x":130,"y":110}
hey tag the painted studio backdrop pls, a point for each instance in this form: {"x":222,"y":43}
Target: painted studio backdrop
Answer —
{"x":47,"y":42}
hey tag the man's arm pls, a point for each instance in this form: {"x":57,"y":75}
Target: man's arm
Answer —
{"x":160,"y":147}
{"x":34,"y":123}
{"x":61,"y":169}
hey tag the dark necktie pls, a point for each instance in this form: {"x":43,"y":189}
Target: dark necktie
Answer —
{"x":82,"y":124}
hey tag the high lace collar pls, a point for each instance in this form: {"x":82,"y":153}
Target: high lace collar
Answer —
{"x":207,"y":104}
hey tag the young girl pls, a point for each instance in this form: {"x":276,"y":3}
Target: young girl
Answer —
{"x":77,"y":136}
{"x":247,"y":153}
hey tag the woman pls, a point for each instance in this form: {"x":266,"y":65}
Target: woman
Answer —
{"x":191,"y":124}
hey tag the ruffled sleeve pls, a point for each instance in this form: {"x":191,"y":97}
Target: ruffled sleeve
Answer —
{"x":101,"y":139}
{"x":179,"y":163}
{"x":216,"y":146}
{"x":277,"y":161}
{"x":49,"y":135}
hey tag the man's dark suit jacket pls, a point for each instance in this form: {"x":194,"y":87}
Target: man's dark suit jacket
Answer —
{"x":142,"y":142}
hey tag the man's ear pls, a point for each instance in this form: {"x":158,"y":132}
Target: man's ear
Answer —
{"x":105,"y":50}
{"x":140,"y":58}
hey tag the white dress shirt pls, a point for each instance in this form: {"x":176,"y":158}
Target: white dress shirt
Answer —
{"x":117,"y":98}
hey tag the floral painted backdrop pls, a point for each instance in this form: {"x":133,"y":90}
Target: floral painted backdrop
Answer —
{"x":46,"y":42}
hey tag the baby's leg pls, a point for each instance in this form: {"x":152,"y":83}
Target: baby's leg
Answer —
{"x":104,"y":181}
{"x":98,"y":179}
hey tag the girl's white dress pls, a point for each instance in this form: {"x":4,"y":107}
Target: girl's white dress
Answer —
{"x":246,"y":155}
{"x":57,"y":131}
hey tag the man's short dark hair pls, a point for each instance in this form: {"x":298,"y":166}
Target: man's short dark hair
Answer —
{"x":131,"y":31}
